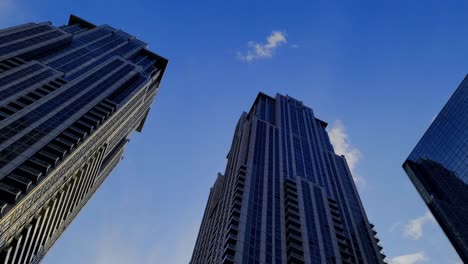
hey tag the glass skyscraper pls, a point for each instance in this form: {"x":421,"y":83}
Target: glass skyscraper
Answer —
{"x":70,"y":96}
{"x":285,"y":196}
{"x":438,"y":168}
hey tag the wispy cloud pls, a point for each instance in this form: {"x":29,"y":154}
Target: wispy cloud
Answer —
{"x":414,"y":258}
{"x":263,"y":50}
{"x":131,"y":238}
{"x":340,"y":141}
{"x":113,"y":247}
{"x":414,"y":228}
{"x":181,"y":251}
{"x":394,"y":227}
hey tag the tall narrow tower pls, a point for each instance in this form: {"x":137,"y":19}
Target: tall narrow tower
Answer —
{"x":69,"y":98}
{"x":438,"y":168}
{"x":285,"y":197}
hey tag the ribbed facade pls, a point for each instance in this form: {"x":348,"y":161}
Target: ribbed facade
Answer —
{"x":70,"y":96}
{"x":438,"y":168}
{"x":285,"y":197}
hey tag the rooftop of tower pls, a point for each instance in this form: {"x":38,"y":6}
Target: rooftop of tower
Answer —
{"x":76,"y":20}
{"x":263,"y":95}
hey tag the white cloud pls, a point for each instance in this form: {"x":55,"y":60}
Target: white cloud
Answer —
{"x":414,"y":228}
{"x":181,"y":251}
{"x":394,"y":227}
{"x":113,"y":247}
{"x":340,"y":141}
{"x":263,"y":50}
{"x":414,"y":258}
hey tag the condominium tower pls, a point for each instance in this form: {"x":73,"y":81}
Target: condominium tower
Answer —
{"x":285,"y":196}
{"x":69,"y":98}
{"x":438,"y":168}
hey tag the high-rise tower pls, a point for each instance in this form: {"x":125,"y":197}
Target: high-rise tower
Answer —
{"x":285,"y":197}
{"x":438,"y":168}
{"x":69,"y":98}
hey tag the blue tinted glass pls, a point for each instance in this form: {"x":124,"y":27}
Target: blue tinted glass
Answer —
{"x":37,"y":133}
{"x":438,"y":167}
{"x":23,"y":34}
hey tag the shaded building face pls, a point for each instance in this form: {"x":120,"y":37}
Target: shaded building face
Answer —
{"x":438,"y":167}
{"x":69,"y":98}
{"x":285,"y":196}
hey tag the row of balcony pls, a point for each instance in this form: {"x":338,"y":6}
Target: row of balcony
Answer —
{"x":25,"y":246}
{"x":377,"y":240}
{"x":22,"y":179}
{"x":29,"y":98}
{"x":344,"y":243}
{"x":234,"y":217}
{"x":294,"y":250}
{"x":10,"y":64}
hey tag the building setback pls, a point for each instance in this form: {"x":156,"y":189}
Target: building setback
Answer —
{"x":285,"y":197}
{"x":69,"y":98}
{"x":438,"y":168}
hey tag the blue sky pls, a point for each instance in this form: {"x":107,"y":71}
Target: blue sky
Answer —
{"x":377,"y":71}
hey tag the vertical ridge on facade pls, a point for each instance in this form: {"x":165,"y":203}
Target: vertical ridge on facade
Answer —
{"x":285,"y":196}
{"x":70,"y":96}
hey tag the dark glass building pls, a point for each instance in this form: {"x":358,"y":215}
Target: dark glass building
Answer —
{"x":70,"y":96}
{"x":438,"y":168}
{"x":285,"y":196}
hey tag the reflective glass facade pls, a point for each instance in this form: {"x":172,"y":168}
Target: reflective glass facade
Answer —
{"x":70,"y":97}
{"x":285,"y":196}
{"x":438,"y":167}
